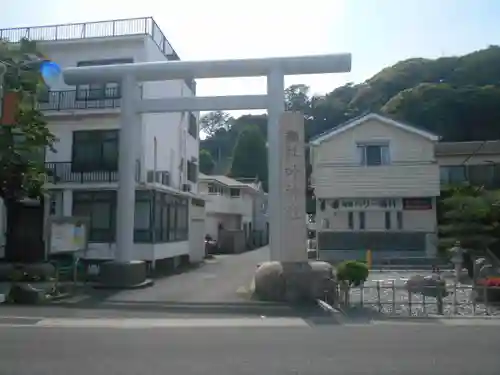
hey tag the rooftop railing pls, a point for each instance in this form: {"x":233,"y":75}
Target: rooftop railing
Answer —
{"x":101,"y":29}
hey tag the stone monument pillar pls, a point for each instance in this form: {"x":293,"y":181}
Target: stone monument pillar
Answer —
{"x":293,"y":278}
{"x":293,"y":186}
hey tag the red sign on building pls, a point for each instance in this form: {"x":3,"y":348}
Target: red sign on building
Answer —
{"x":10,"y":104}
{"x":417,"y":203}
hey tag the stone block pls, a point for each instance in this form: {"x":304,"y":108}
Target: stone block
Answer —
{"x":294,"y":282}
{"x":428,"y":286}
{"x":43,"y":271}
{"x":26,"y":294}
{"x":123,"y":274}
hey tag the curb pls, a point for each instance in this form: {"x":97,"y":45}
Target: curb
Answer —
{"x":440,"y":317}
{"x":60,"y":297}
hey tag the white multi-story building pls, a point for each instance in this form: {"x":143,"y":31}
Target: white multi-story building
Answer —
{"x":85,"y":119}
{"x":233,"y":205}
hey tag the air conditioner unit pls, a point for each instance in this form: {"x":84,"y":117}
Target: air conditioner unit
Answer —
{"x":186,"y":187}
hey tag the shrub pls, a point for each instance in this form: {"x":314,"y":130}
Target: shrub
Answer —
{"x":353,"y":272}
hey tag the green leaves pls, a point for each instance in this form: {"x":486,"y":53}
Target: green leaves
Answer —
{"x":353,"y":272}
{"x":207,"y":163}
{"x":23,"y":145}
{"x":470,"y":215}
{"x":250,"y":155}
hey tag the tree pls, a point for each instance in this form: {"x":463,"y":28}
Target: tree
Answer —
{"x":215,"y":121}
{"x":250,"y":156}
{"x":207,"y":163}
{"x":297,"y":99}
{"x":22,"y":144}
{"x":469,"y":215}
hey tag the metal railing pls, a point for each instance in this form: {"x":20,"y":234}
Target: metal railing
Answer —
{"x":392,"y":299}
{"x":80,"y":99}
{"x":69,"y":172}
{"x":101,"y":29}
{"x":411,"y":263}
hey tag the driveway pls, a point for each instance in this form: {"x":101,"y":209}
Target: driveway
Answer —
{"x":217,"y":280}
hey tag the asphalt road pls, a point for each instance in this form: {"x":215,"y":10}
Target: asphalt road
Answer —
{"x":378,"y":349}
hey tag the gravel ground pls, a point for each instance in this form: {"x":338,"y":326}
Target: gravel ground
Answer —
{"x":392,"y":298}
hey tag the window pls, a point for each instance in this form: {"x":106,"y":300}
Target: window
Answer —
{"x":456,"y":174}
{"x":181,"y":233}
{"x":362,"y":220}
{"x":161,"y":177}
{"x":373,"y":154}
{"x":100,"y":208}
{"x":193,"y":126}
{"x":172,"y":219}
{"x":95,"y":150}
{"x":192,"y":171}
{"x":159,"y":219}
{"x":142,"y":217}
{"x":479,"y":175}
{"x":453,"y":174}
{"x":98,"y":91}
{"x":387,"y":220}
{"x":325,"y":224}
{"x":212,"y":189}
{"x":234,"y":193}
{"x":399,"y":217}
{"x":350,"y":220}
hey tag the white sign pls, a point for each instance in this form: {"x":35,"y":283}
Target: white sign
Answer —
{"x":365,"y":204}
{"x":67,"y":237}
{"x":293,"y":180}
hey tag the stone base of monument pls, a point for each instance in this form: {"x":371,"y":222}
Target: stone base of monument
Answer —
{"x":123,"y":275}
{"x":294,"y":282}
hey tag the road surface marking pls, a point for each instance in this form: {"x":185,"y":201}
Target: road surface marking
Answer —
{"x":173,"y":323}
{"x":71,"y":300}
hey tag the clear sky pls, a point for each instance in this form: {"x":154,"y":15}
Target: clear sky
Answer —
{"x":378,"y":33}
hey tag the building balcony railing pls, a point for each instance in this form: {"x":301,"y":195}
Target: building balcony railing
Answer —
{"x":101,"y":29}
{"x":80,"y":99}
{"x":70,"y":172}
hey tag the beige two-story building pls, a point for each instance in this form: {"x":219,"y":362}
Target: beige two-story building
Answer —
{"x":376,"y":181}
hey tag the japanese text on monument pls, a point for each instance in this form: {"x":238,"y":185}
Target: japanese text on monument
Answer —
{"x":293,"y":161}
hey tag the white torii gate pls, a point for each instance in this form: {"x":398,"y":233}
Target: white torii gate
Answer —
{"x":131,"y":74}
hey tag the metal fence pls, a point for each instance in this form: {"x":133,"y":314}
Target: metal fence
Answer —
{"x":397,"y":299}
